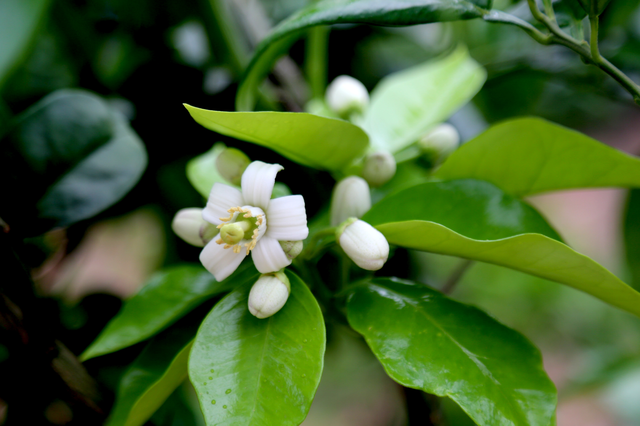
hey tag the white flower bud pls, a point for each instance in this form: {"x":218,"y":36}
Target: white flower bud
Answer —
{"x":269,"y":294}
{"x":189,"y":225}
{"x":346,"y":95}
{"x":351,"y":198}
{"x":231,"y":164}
{"x":291,"y":248}
{"x":363,"y":243}
{"x":379,"y":168}
{"x":440,"y":142}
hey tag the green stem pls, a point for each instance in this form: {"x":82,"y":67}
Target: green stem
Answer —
{"x":548,"y":9}
{"x":316,"y":60}
{"x":311,"y":248}
{"x":590,"y":52}
{"x":224,"y":40}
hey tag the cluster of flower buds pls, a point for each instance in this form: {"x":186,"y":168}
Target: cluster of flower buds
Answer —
{"x":364,"y":244}
{"x":439,"y":143}
{"x":347,"y":96}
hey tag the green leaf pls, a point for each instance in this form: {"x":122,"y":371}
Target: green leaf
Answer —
{"x":475,"y":220}
{"x":427,"y":341}
{"x":202,"y":171}
{"x":323,"y":143}
{"x":75,"y":155}
{"x":405,"y":105}
{"x":632,"y":236}
{"x":250,"y":371}
{"x":153,"y":376}
{"x":326,"y":12}
{"x":166,"y":297}
{"x":19,"y":23}
{"x":527,"y":156}
{"x":598,"y":6}
{"x":569,"y":14}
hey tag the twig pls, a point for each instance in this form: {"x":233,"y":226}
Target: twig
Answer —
{"x":449,"y":285}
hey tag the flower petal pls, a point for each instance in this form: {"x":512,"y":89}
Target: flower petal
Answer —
{"x":219,"y":261}
{"x":287,"y":219}
{"x":268,"y":256}
{"x":257,"y":183}
{"x":221,"y":199}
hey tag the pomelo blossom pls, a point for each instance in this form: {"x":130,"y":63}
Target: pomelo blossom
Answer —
{"x":251,"y":222}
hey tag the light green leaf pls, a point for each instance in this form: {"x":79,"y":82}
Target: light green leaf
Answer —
{"x":326,"y":12}
{"x":153,"y":376}
{"x":527,"y":156}
{"x":323,"y":143}
{"x":166,"y":297}
{"x":427,"y":341}
{"x":259,"y":372}
{"x":76,"y":155}
{"x":19,"y":22}
{"x":475,"y":220}
{"x":408,"y":103}
{"x":202,"y":171}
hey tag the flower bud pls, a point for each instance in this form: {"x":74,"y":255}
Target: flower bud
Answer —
{"x":351,"y":198}
{"x":189,"y":225}
{"x":363,"y":243}
{"x":440,"y":142}
{"x":269,"y":294}
{"x":291,"y":248}
{"x":379,"y":168}
{"x":346,"y":95}
{"x":231,"y":164}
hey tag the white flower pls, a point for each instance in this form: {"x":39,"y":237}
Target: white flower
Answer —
{"x":269,"y":294}
{"x":346,"y":95}
{"x":189,"y":225}
{"x":351,"y":198}
{"x":379,"y":168}
{"x":440,"y":142}
{"x":363,"y":243}
{"x":249,"y":221}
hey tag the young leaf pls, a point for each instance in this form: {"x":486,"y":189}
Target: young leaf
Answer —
{"x":75,"y":155}
{"x":259,"y":372}
{"x":152,"y":377}
{"x":527,"y":156}
{"x":323,"y":143}
{"x":326,"y":12}
{"x":167,"y":296}
{"x":427,"y":341}
{"x":19,"y":22}
{"x":202,"y":172}
{"x":407,"y":104}
{"x":475,"y":220}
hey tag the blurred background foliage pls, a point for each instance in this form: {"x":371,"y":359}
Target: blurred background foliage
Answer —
{"x":146,"y":58}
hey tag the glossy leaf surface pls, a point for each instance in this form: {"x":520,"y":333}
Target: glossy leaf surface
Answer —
{"x":427,"y":341}
{"x":475,"y":220}
{"x":323,"y":143}
{"x":167,"y":296}
{"x":202,"y":171}
{"x":75,"y":154}
{"x":527,"y":156}
{"x":405,"y":105}
{"x":326,"y":12}
{"x":19,"y":22}
{"x":259,"y":372}
{"x":153,"y":376}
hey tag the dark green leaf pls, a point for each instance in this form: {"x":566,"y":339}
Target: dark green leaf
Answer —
{"x":19,"y":22}
{"x":259,"y":372}
{"x":323,"y":143}
{"x":70,"y":156}
{"x":632,"y":236}
{"x":526,"y":156}
{"x":427,"y":341}
{"x":405,"y":105}
{"x":152,"y":377}
{"x":595,"y":6}
{"x":475,"y":220}
{"x":167,"y":296}
{"x":326,"y":12}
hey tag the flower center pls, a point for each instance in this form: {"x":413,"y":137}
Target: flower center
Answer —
{"x":244,"y":227}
